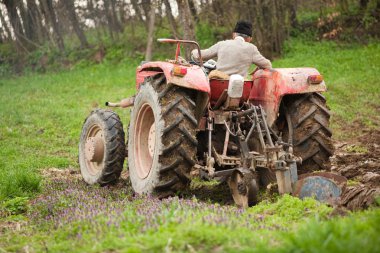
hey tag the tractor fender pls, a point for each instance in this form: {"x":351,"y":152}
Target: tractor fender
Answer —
{"x":270,"y":86}
{"x":194,"y":79}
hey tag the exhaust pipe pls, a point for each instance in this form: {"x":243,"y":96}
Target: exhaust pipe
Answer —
{"x":124,"y":103}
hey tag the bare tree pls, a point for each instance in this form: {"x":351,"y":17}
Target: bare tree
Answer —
{"x":115,"y":21}
{"x":151,"y":18}
{"x":171,"y":20}
{"x":34,"y":15}
{"x":136,"y":8}
{"x":187,"y":22}
{"x":5,"y":26}
{"x":70,"y":8}
{"x":50,"y":16}
{"x":14,"y":19}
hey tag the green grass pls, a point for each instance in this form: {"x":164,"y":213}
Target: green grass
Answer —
{"x":41,"y":118}
{"x":40,"y":122}
{"x":70,"y":217}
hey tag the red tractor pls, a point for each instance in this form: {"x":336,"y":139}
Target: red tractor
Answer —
{"x":249,"y":133}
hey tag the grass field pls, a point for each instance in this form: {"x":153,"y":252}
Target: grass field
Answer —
{"x":40,"y":121}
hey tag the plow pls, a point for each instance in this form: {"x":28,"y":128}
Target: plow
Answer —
{"x":186,"y":123}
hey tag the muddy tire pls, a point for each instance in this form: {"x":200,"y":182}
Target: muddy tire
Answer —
{"x":312,"y":141}
{"x":161,"y":142}
{"x":102,"y":147}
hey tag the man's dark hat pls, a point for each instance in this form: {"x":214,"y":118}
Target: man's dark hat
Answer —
{"x":244,"y":27}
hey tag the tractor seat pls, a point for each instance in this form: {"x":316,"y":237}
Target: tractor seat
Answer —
{"x":220,"y":75}
{"x":217,"y":74}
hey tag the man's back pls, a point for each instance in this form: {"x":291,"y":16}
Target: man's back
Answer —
{"x":235,"y":56}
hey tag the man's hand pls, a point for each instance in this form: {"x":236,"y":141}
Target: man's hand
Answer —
{"x":194,"y":55}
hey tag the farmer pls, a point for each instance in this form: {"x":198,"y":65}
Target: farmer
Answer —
{"x":235,"y":56}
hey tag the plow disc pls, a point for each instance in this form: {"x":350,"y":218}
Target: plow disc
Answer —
{"x":244,"y":188}
{"x":323,"y":186}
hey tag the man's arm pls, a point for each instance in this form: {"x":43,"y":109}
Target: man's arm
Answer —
{"x":207,"y":54}
{"x":260,"y":60}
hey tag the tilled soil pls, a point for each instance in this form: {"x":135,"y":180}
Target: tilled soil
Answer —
{"x":359,"y":161}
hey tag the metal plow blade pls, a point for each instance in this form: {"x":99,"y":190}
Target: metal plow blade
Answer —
{"x":322,"y":186}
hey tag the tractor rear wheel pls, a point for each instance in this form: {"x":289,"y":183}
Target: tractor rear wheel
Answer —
{"x":311,"y":136}
{"x":162,"y":138}
{"x":102,"y":147}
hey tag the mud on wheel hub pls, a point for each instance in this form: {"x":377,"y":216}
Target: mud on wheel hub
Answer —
{"x":94,"y":149}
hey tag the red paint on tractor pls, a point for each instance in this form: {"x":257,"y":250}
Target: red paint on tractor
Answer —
{"x":269,"y":86}
{"x":194,"y":79}
{"x":217,"y":87}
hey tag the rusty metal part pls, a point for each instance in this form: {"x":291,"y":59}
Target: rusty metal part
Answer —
{"x":124,"y":103}
{"x":210,"y":166}
{"x":221,"y":99}
{"x":265,"y":126}
{"x":243,"y":187}
{"x":285,"y":176}
{"x":290,"y":127}
{"x":210,"y":128}
{"x":323,"y":186}
{"x":220,"y":117}
{"x":231,"y":103}
{"x":222,"y":160}
{"x":144,"y":140}
{"x":94,"y":149}
{"x":226,"y":140}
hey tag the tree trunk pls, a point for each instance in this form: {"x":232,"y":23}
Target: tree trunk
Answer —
{"x":93,"y":15}
{"x":14,"y":19}
{"x":50,"y":16}
{"x":293,"y":13}
{"x":193,"y":10}
{"x":110,"y":22}
{"x":36,"y":21}
{"x":116,"y":24}
{"x":146,"y":7}
{"x":27,"y":22}
{"x":187,"y":23}
{"x":70,"y":8}
{"x":149,"y":46}
{"x":169,"y":15}
{"x":5,"y":27}
{"x":136,"y":8}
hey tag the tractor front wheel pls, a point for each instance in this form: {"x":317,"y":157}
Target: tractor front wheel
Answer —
{"x":102,"y":147}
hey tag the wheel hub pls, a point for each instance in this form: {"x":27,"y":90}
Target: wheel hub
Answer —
{"x":94,"y":148}
{"x":145,"y":140}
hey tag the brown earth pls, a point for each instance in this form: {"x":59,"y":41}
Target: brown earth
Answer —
{"x":359,"y":161}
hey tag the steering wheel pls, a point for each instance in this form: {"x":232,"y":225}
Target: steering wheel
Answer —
{"x":193,"y":61}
